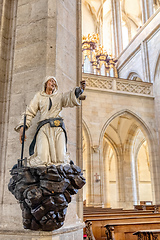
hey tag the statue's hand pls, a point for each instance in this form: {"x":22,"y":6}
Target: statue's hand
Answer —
{"x":21,"y":135}
{"x":82,"y":97}
{"x":83,"y":84}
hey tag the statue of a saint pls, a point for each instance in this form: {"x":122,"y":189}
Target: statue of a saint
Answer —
{"x":49,"y":144}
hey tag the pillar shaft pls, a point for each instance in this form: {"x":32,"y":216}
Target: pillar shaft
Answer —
{"x":147,"y":9}
{"x":117,"y":28}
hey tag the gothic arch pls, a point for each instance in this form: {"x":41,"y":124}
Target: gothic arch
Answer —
{"x":113,"y":145}
{"x":143,"y":125}
{"x":138,"y":123}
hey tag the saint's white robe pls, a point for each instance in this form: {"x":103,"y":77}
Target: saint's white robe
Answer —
{"x":50,"y":145}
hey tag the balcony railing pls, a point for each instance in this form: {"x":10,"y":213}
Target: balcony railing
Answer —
{"x":118,"y":85}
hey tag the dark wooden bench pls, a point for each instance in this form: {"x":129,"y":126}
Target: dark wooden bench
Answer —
{"x":118,"y":214}
{"x":125,"y":221}
{"x":153,"y":234}
{"x":125,"y":231}
{"x":155,"y":208}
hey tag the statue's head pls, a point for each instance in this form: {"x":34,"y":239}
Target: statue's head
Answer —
{"x":50,"y":81}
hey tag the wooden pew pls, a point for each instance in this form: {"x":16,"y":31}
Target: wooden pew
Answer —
{"x":148,"y":234}
{"x":155,"y":208}
{"x":119,"y":216}
{"x":135,"y":220}
{"x":125,"y":231}
{"x":92,"y":210}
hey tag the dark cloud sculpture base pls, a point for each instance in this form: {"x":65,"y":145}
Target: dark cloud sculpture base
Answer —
{"x":44,"y":193}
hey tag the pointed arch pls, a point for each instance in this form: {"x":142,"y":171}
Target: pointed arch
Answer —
{"x":141,"y":122}
{"x":138,"y":123}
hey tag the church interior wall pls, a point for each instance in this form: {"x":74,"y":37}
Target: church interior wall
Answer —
{"x":148,"y":34}
{"x":107,"y":106}
{"x":157,"y":115}
{"x":53,"y":49}
{"x":86,"y":15}
{"x":137,"y":61}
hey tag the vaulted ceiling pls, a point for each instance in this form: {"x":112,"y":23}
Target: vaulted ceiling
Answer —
{"x":130,"y":8}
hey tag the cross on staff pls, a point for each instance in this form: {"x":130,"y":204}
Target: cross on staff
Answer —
{"x":97,"y":177}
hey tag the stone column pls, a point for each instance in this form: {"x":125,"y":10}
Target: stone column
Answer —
{"x":117,"y":28}
{"x":97,"y":176}
{"x":105,"y":167}
{"x":128,"y":183}
{"x":145,"y":60}
{"x":8,"y":11}
{"x":156,"y":162}
{"x":46,"y":44}
{"x":79,"y":154}
{"x":147,"y":9}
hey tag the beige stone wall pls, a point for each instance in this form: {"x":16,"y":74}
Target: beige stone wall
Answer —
{"x":45,"y":44}
{"x":142,"y":57}
{"x":100,"y":109}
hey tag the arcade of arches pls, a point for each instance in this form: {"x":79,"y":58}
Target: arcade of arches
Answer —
{"x":121,"y":127}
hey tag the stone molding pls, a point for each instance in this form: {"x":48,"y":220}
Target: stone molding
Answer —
{"x":118,"y":85}
{"x":66,"y":232}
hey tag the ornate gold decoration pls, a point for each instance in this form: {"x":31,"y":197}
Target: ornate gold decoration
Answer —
{"x":97,"y":55}
{"x":57,"y":123}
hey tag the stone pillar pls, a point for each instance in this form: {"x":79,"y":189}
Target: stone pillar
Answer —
{"x":117,"y":28}
{"x":128,"y":183}
{"x":8,"y":11}
{"x":146,"y":70}
{"x":156,"y":162}
{"x":120,"y":178}
{"x":97,"y":176}
{"x":106,"y":193}
{"x":45,"y":44}
{"x":147,"y":9}
{"x":79,"y":154}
